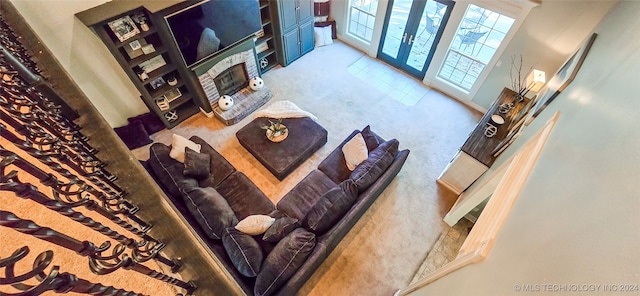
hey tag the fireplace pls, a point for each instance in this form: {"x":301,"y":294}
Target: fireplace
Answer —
{"x":229,"y":75}
{"x":232,"y":80}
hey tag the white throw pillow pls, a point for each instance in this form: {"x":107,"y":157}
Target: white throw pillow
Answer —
{"x":322,"y":36}
{"x":355,"y":151}
{"x":255,"y":224}
{"x":178,"y":144}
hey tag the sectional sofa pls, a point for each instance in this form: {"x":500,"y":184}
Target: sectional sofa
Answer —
{"x":309,"y":221}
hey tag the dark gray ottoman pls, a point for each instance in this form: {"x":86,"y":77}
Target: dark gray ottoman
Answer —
{"x":305,"y":137}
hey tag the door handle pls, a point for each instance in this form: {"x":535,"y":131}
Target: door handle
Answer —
{"x":410,"y":39}
{"x":404,"y":38}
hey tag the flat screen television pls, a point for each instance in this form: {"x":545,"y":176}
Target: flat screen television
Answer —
{"x":208,"y":27}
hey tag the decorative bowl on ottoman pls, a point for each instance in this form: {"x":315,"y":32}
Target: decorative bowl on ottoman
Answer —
{"x":276,"y":131}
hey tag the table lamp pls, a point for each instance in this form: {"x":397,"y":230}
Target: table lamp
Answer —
{"x":534,"y":82}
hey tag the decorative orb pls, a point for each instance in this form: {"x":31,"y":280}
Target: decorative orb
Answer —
{"x":225,"y":102}
{"x":256,"y":83}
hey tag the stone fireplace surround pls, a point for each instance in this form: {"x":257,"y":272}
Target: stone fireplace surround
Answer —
{"x":207,"y":79}
{"x":245,"y":100}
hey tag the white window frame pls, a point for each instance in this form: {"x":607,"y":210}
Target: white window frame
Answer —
{"x":518,"y":10}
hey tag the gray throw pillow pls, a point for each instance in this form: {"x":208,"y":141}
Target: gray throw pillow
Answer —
{"x":167,"y":170}
{"x":196,"y":164}
{"x":210,"y":209}
{"x":370,"y":138}
{"x":280,"y":228}
{"x":244,"y":251}
{"x":331,"y":207}
{"x":284,"y":260}
{"x":371,"y":169}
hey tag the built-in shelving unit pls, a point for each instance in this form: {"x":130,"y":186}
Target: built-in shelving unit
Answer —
{"x":265,"y":44}
{"x":134,"y":41}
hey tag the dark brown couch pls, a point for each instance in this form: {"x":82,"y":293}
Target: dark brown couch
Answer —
{"x":246,"y":199}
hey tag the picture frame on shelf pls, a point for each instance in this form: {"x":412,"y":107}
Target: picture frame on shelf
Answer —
{"x":262,"y":47}
{"x":163,"y":104}
{"x":172,"y":95}
{"x":135,"y":48}
{"x":152,"y":64}
{"x":561,"y":79}
{"x":157,"y":83}
{"x":148,"y":48}
{"x":123,"y":28}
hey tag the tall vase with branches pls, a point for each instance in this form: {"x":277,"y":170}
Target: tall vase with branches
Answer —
{"x":518,"y":83}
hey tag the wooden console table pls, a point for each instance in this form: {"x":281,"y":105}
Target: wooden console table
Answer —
{"x":477,"y":153}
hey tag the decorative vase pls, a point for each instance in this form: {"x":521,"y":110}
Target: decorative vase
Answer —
{"x":256,"y":83}
{"x":278,"y":136}
{"x":172,"y":81}
{"x":144,"y":26}
{"x":225,"y":102}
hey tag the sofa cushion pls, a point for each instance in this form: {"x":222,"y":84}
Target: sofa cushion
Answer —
{"x":331,"y":207}
{"x":283,"y":261}
{"x":244,"y":197}
{"x":167,"y":170}
{"x":220,"y":168}
{"x":210,"y":209}
{"x":255,"y":224}
{"x":372,"y":168}
{"x":355,"y":151}
{"x":152,"y":123}
{"x":280,"y":228}
{"x":371,"y":139}
{"x":334,"y":165}
{"x":133,"y":135}
{"x":297,"y":202}
{"x":196,"y":165}
{"x":245,"y":253}
{"x":178,"y":144}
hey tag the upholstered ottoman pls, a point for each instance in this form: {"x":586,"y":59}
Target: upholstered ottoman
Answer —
{"x":305,"y":137}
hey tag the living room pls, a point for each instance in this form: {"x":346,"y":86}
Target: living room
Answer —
{"x":570,"y":195}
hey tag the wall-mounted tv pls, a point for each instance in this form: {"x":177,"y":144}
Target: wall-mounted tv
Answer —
{"x":207,"y":27}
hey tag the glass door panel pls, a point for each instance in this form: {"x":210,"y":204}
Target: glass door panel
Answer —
{"x":411,"y":33}
{"x":477,"y":39}
{"x":432,"y":17}
{"x":396,"y":25}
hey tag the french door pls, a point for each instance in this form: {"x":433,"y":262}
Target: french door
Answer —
{"x":412,"y":30}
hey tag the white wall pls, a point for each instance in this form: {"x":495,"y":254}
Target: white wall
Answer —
{"x":548,"y":36}
{"x":85,"y":58}
{"x":576,"y":221}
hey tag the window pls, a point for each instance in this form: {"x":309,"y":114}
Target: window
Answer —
{"x":362,"y":17}
{"x":477,"y":39}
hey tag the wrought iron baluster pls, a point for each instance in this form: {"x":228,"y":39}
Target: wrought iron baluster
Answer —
{"x":37,"y":136}
{"x":143,"y":250}
{"x":112,"y":202}
{"x":51,"y":281}
{"x":98,"y":263}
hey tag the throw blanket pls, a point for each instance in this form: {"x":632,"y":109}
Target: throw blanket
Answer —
{"x":283,"y":109}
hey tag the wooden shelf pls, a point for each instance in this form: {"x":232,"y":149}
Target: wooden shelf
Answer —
{"x":185,"y":105}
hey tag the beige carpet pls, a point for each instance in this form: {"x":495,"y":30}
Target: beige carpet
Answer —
{"x":386,"y":247}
